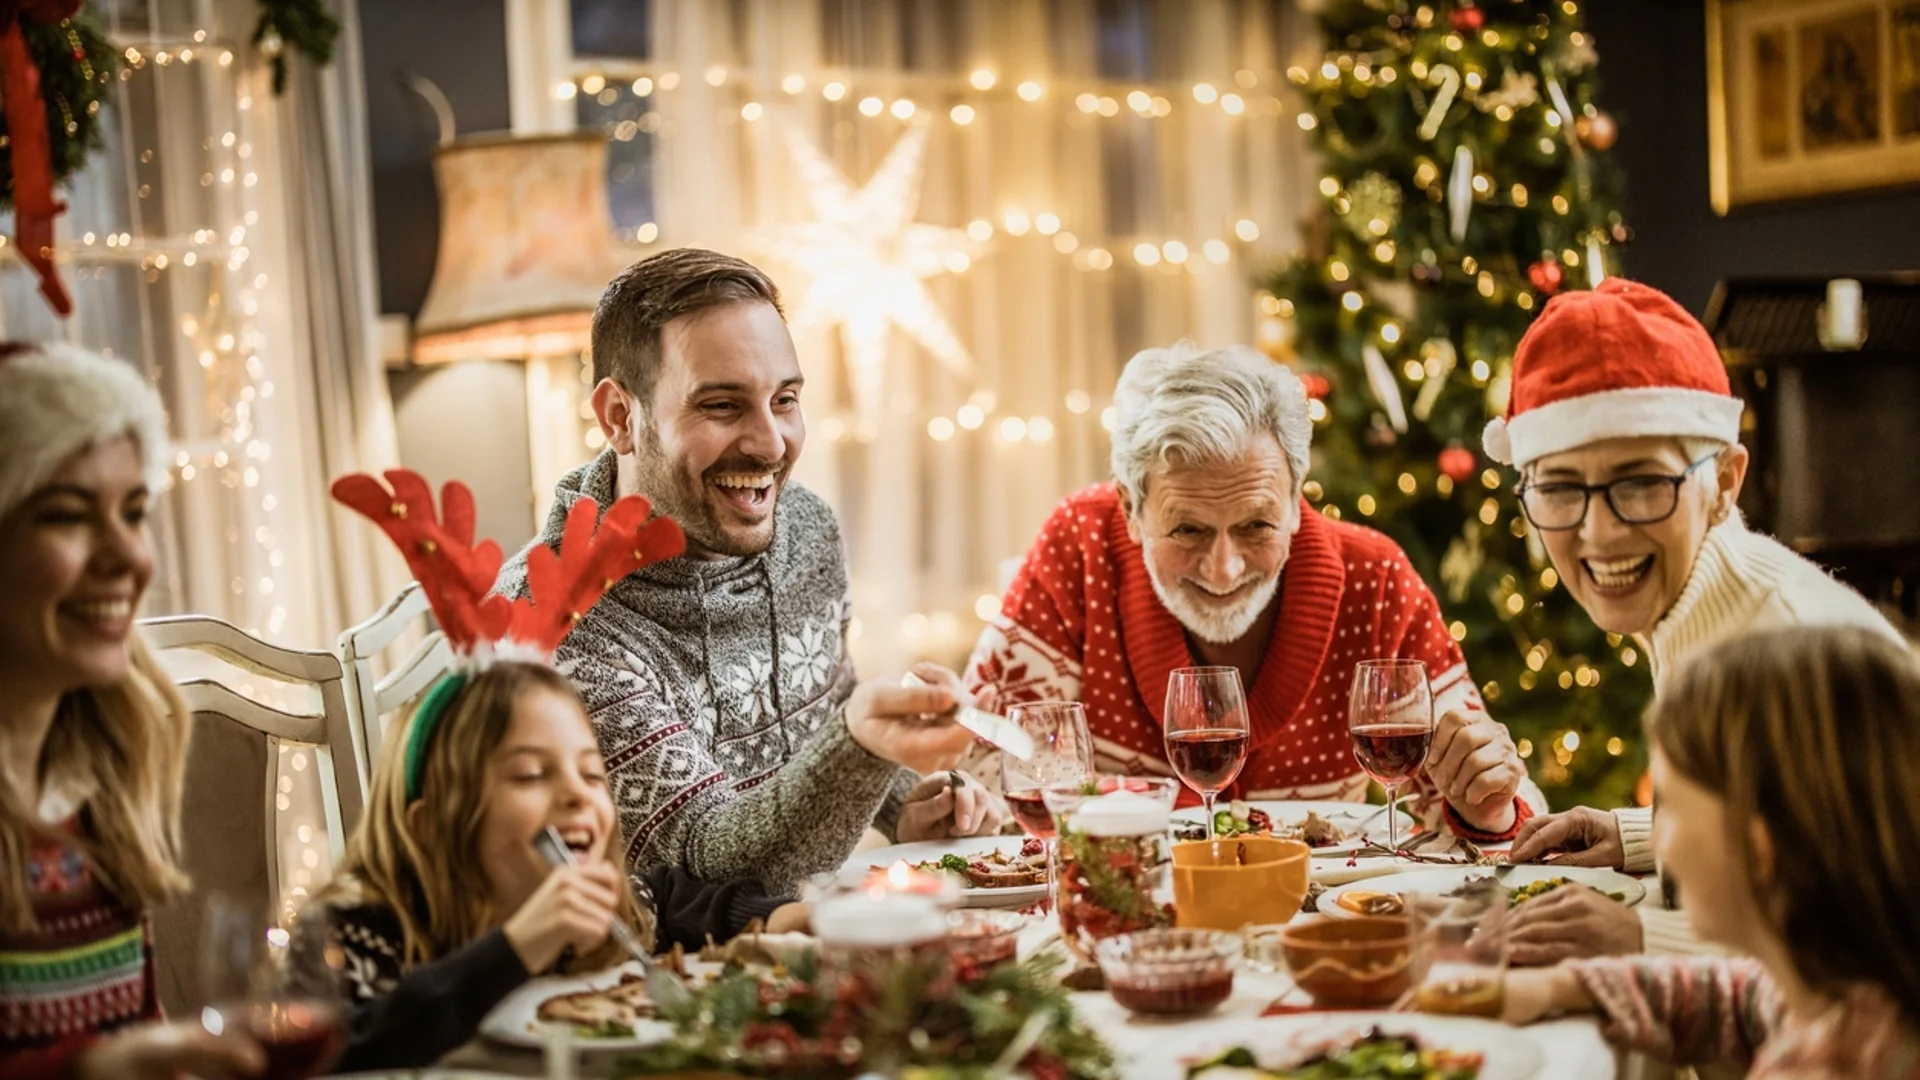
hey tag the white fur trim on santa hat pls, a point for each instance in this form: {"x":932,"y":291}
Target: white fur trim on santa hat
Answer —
{"x":57,"y":400}
{"x":1612,"y":414}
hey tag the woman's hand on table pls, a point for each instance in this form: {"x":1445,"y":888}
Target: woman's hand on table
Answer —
{"x":1571,"y":923}
{"x":1542,"y":993}
{"x":1582,"y":836}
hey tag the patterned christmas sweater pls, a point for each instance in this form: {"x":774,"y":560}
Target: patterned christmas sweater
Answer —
{"x":716,"y":689}
{"x":1082,"y":622}
{"x":1699,"y":1011}
{"x":86,"y":967}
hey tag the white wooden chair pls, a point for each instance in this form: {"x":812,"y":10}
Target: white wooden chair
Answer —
{"x":372,"y":697}
{"x":230,"y":817}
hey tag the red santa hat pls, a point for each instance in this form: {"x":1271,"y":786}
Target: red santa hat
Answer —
{"x":1618,"y":361}
{"x":57,"y":400}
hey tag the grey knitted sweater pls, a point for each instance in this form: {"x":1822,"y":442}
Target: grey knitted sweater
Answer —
{"x":716,"y":689}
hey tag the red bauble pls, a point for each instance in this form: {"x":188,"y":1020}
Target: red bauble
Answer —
{"x":1468,"y":19}
{"x":1316,"y":386}
{"x":1546,"y":275}
{"x":1458,"y":463}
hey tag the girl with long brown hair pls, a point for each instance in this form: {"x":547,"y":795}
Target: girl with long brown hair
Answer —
{"x":93,"y":735}
{"x":442,"y":905}
{"x":1783,"y":763}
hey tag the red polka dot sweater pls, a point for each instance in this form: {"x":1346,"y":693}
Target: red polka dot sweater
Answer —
{"x":1081,"y":622}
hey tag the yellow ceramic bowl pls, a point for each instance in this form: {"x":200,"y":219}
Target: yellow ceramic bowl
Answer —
{"x":1230,"y":883}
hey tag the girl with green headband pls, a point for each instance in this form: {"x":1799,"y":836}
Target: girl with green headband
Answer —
{"x":442,"y":905}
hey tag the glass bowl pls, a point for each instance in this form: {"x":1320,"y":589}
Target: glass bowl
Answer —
{"x":984,"y":937}
{"x":1169,"y":972}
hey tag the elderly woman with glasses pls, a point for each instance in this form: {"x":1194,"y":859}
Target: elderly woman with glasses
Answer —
{"x":1625,"y":432}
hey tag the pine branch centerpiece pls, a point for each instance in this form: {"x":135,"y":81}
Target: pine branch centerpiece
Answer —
{"x":934,"y":1016}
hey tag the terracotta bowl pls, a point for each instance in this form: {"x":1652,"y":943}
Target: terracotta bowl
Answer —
{"x":1351,"y":963}
{"x":1231,"y":883}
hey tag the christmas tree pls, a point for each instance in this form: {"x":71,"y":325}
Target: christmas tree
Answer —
{"x":1466,"y":181}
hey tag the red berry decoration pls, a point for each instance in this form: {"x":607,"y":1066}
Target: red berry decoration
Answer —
{"x":1458,"y":463}
{"x":1468,"y":19}
{"x":1316,"y":386}
{"x":1546,"y":275}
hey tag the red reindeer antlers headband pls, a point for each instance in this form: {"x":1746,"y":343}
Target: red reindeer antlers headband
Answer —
{"x":458,"y":576}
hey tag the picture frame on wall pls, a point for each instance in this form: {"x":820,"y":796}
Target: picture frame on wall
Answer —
{"x":1811,"y":98}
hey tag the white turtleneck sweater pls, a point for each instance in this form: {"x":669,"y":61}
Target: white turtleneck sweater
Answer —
{"x":1741,"y":582}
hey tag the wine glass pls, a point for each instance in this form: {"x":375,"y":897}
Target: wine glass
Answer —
{"x":1460,"y":946}
{"x":1207,"y":730}
{"x":1062,"y":754}
{"x":252,"y":984}
{"x":1390,"y":718}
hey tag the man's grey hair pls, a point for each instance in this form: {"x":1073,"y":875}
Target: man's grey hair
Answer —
{"x":1184,"y":406}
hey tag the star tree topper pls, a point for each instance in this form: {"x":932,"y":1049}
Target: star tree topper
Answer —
{"x":867,"y":260}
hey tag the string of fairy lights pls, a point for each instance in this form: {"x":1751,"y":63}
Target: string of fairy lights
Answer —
{"x":226,"y":342}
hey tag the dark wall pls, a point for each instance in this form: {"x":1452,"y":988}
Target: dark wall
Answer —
{"x":460,"y":45}
{"x":1653,"y":70}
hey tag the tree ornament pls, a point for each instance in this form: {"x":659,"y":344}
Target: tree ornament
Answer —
{"x":1598,"y":131}
{"x":1579,"y":55}
{"x":1622,"y":234}
{"x":1460,"y":194}
{"x":1386,"y":388}
{"x":1547,"y":276}
{"x":1439,"y":357}
{"x":1447,"y":77}
{"x":1316,"y":385}
{"x":1516,"y":92}
{"x":1458,"y":463}
{"x":1380,"y":433}
{"x":1373,"y":206}
{"x":1467,"y":19}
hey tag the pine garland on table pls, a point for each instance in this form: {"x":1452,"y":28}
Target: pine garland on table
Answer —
{"x":937,"y":1021}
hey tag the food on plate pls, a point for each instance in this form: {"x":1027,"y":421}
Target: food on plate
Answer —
{"x":1242,"y":819}
{"x":1520,"y":894}
{"x":609,"y":1013}
{"x":994,"y":869}
{"x":1372,"y":1055}
{"x":1370,"y":902}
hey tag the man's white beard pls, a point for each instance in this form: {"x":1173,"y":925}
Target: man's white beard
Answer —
{"x":1216,"y":626}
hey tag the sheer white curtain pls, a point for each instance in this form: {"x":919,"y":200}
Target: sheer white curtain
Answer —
{"x":1112,"y":134}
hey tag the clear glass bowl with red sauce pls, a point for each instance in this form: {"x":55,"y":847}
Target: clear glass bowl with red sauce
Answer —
{"x":1169,"y":972}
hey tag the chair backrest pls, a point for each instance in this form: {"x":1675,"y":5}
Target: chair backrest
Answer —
{"x":230,"y":817}
{"x":371,"y":696}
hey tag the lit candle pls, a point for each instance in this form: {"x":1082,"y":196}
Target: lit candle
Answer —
{"x":1844,"y":329}
{"x":1121,"y":813}
{"x":878,"y":919}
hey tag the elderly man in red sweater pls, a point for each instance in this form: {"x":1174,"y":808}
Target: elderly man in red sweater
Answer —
{"x":1202,"y":552}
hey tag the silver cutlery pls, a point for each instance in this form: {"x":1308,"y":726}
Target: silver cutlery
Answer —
{"x":665,"y":988}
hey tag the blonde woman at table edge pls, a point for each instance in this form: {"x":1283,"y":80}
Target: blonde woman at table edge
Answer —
{"x":1788,"y":814}
{"x":93,"y":735}
{"x":1625,"y":431}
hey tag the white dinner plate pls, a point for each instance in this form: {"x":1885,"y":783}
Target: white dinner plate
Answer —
{"x":514,"y":1021}
{"x":1344,"y":814}
{"x":1019,"y":896}
{"x":1440,"y":879}
{"x":1281,"y":1041}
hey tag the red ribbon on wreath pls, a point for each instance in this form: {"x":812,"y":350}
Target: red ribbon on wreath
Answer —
{"x":34,"y":206}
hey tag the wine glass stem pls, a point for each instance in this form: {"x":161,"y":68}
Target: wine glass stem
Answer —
{"x":1393,"y":817}
{"x":1207,"y":797}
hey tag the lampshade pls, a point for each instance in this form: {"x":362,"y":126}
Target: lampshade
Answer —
{"x":526,"y":247}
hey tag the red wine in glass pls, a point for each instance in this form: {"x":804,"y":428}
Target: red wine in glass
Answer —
{"x":1390,"y":719}
{"x":300,"y":1038}
{"x":1206,"y":730}
{"x":1030,"y":812}
{"x":1207,"y":759}
{"x":1391,"y":753}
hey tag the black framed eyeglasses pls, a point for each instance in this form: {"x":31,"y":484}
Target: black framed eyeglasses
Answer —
{"x":1636,"y":500}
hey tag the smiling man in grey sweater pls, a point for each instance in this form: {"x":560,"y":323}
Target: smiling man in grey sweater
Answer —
{"x":718,"y":683}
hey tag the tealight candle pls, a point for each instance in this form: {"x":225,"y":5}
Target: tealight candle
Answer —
{"x":878,"y":920}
